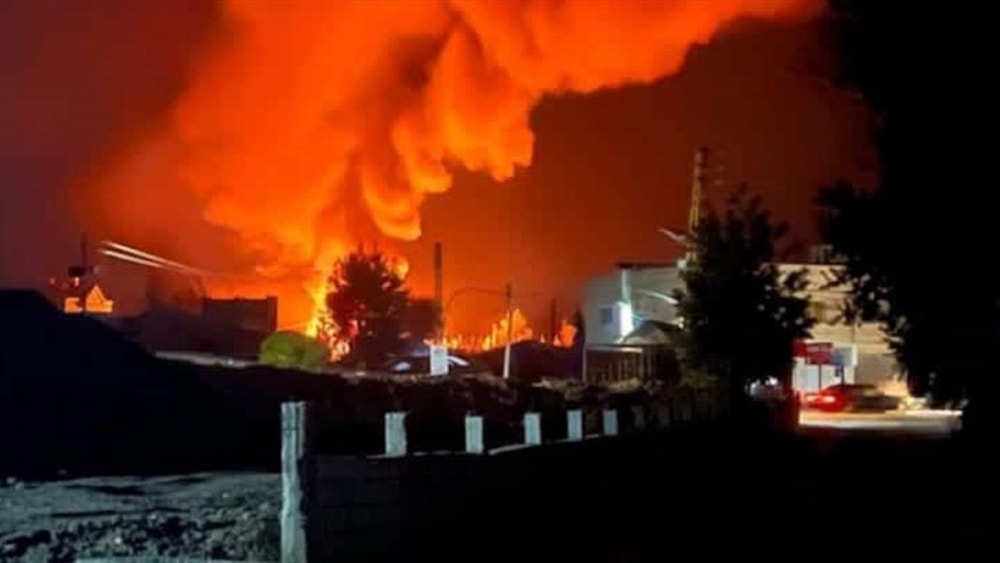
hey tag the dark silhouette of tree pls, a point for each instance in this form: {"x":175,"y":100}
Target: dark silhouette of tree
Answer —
{"x":366,"y":302}
{"x":914,"y":245}
{"x":740,"y":314}
{"x":421,"y":320}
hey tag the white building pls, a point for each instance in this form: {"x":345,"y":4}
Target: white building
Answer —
{"x":618,"y":301}
{"x":863,"y":346}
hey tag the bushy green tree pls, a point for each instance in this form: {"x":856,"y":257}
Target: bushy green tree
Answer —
{"x":292,"y":350}
{"x":367,"y":300}
{"x":740,"y":314}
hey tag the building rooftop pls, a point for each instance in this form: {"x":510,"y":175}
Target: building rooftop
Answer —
{"x":646,"y":264}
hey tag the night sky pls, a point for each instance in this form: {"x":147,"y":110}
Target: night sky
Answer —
{"x":84,"y":80}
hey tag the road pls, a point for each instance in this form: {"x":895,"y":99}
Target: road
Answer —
{"x":924,"y":423}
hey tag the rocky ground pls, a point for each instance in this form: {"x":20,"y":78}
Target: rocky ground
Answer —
{"x":222,"y":516}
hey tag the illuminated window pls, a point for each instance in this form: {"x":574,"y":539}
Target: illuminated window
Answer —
{"x":626,"y":322}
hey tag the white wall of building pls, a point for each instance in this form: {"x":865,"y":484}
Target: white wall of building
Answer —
{"x":872,"y":359}
{"x":643,"y":287}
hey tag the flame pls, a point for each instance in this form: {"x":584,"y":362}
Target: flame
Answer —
{"x":496,"y":337}
{"x":566,"y":335}
{"x":322,"y":327}
{"x":308,"y":127}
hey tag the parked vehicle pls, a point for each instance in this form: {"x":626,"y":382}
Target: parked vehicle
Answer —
{"x":420,"y":365}
{"x":851,"y":397}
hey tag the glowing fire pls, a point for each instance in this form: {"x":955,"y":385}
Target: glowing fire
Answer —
{"x":310,"y":126}
{"x":322,"y":327}
{"x":521,"y":332}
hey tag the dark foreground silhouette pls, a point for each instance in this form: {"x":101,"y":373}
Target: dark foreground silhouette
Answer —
{"x":75,"y":399}
{"x":78,"y":399}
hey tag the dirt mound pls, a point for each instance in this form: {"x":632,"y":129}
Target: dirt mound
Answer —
{"x":74,"y":395}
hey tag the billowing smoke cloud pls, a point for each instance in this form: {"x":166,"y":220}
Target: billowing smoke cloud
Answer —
{"x":307,"y":115}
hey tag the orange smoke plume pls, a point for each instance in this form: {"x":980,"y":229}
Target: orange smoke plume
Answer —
{"x":309,"y":120}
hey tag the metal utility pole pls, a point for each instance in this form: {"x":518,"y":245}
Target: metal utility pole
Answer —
{"x":439,"y":291}
{"x":694,"y":211}
{"x":79,"y":273}
{"x":510,"y":330}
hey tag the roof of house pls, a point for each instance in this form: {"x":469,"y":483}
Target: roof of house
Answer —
{"x":645,"y":265}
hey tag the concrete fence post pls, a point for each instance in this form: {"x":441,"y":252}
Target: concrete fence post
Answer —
{"x":574,"y":425}
{"x":638,"y":417}
{"x":395,"y":434}
{"x":294,"y":482}
{"x":663,"y":415}
{"x":609,"y":422}
{"x":474,"y":435}
{"x":532,"y":429}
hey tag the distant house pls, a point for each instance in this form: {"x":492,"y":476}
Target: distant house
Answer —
{"x":862,"y":347}
{"x":86,"y":298}
{"x":619,"y":301}
{"x":253,"y":315}
{"x":236,"y":327}
{"x":223,"y":327}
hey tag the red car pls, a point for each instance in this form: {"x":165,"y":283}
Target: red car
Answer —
{"x":845,"y":397}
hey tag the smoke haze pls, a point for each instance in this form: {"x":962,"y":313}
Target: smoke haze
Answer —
{"x":310,"y":126}
{"x":263,"y":139}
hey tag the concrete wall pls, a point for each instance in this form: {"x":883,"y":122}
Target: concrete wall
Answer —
{"x":388,"y":508}
{"x":400,"y":506}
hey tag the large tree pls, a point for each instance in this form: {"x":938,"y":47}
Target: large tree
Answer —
{"x":915,"y":243}
{"x":366,"y":301}
{"x":741,"y":315}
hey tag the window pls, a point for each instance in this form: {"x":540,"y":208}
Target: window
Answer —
{"x":607,"y":316}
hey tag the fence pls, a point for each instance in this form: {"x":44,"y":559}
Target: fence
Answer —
{"x":610,"y":364}
{"x":375,"y":507}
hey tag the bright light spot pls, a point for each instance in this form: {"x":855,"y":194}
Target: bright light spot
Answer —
{"x":626,"y":323}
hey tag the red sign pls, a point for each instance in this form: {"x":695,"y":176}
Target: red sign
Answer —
{"x":819,"y":353}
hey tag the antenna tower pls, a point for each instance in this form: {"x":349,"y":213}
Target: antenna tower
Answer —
{"x":707,"y":173}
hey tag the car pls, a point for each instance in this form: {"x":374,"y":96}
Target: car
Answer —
{"x":420,"y":365}
{"x":851,"y":397}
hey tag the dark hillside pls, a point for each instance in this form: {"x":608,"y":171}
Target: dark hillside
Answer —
{"x":76,"y":396}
